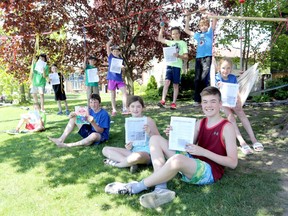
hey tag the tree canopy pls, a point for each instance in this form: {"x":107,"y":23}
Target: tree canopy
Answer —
{"x":66,"y":30}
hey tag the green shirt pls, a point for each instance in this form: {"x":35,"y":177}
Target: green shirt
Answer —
{"x":181,"y":48}
{"x":86,"y":76}
{"x":38,"y":79}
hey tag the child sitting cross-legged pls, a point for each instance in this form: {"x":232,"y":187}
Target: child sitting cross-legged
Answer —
{"x":134,"y":152}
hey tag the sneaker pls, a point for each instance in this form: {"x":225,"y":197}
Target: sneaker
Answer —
{"x":156,"y":198}
{"x":67,"y":112}
{"x":173,"y":106}
{"x":134,"y":168}
{"x":161,"y":104}
{"x":12,"y":132}
{"x":196,"y":104}
{"x":117,"y":188}
{"x":114,"y":113}
{"x":125,"y":112}
{"x":60,"y":113}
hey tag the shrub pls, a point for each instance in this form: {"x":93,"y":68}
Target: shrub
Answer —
{"x":279,"y":94}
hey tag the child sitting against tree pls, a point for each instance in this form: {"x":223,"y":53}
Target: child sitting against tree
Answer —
{"x":134,"y":152}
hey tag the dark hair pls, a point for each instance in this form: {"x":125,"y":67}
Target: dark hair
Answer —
{"x":92,"y":58}
{"x":176,"y":28}
{"x":115,"y":47}
{"x":54,"y":65}
{"x":95,"y":97}
{"x":211,"y":90}
{"x":135,"y":98}
{"x":44,"y":56}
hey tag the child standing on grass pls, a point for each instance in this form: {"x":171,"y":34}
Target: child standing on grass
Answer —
{"x":115,"y":79}
{"x":204,"y":40}
{"x":92,"y":87}
{"x":224,"y":75}
{"x":202,"y":163}
{"x":38,"y":79}
{"x":59,"y":91}
{"x":134,"y":152}
{"x":173,"y":69}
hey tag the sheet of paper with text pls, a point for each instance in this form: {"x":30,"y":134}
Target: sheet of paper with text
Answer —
{"x":182,"y":132}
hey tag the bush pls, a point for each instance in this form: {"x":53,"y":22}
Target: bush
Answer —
{"x":152,"y":84}
{"x":278,"y":94}
{"x":261,"y":98}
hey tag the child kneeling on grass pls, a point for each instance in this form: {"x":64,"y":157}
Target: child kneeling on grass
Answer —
{"x":134,"y":152}
{"x":203,"y":162}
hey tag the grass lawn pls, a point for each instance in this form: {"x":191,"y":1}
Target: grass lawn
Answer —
{"x":38,"y":178}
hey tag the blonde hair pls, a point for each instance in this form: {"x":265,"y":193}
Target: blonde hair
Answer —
{"x":225,"y":59}
{"x":204,"y":21}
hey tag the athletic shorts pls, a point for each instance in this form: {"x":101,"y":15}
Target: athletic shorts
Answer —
{"x":37,"y":89}
{"x":86,"y":130}
{"x":203,"y":174}
{"x":113,"y":85}
{"x":30,"y":126}
{"x":173,"y":74}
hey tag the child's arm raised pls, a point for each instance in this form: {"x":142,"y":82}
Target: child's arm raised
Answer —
{"x":187,"y":20}
{"x":160,"y":35}
{"x":108,"y":44}
{"x":84,"y":63}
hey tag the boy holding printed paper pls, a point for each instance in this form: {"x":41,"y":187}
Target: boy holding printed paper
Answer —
{"x":136,"y":150}
{"x":173,"y":70}
{"x":93,"y":133}
{"x":57,"y":81}
{"x":202,"y":163}
{"x":224,"y":76}
{"x":91,"y":76}
{"x":114,"y":76}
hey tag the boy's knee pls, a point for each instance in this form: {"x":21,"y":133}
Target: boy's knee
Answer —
{"x":95,"y":136}
{"x":177,"y":161}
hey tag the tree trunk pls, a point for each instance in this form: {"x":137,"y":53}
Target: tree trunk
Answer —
{"x":22,"y":93}
{"x":129,"y":81}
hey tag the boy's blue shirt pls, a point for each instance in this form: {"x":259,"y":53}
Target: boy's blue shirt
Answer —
{"x":204,"y":43}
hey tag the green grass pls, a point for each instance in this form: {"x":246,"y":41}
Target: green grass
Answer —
{"x":38,"y":178}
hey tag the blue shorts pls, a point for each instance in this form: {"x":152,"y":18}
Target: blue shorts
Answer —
{"x":173,"y":74}
{"x":86,"y":130}
{"x":203,"y":174}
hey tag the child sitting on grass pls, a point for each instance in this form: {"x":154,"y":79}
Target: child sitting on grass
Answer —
{"x":134,"y":152}
{"x":34,"y":121}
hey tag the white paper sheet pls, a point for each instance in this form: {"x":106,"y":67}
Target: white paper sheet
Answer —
{"x":229,"y":92}
{"x":40,"y":66}
{"x":169,"y":54}
{"x":134,"y":129}
{"x":92,"y":75}
{"x":182,"y":132}
{"x":54,"y":77}
{"x":116,"y":65}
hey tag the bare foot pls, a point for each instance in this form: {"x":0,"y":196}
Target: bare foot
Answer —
{"x":54,"y":139}
{"x":61,"y":145}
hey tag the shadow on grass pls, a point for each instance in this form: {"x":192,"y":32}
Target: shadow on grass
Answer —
{"x":248,"y":190}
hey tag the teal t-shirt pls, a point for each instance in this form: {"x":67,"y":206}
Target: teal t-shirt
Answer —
{"x":38,"y":78}
{"x":86,"y":75}
{"x":181,"y":48}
